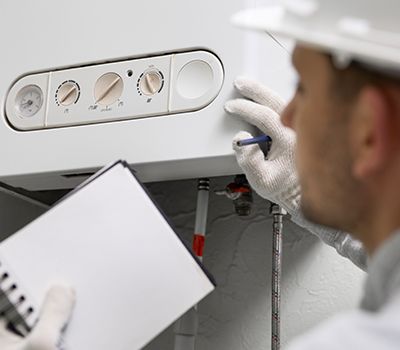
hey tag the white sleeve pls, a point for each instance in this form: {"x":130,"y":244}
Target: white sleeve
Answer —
{"x":356,"y":330}
{"x":344,"y":243}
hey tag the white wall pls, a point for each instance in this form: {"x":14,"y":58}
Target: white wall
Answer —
{"x":316,"y":281}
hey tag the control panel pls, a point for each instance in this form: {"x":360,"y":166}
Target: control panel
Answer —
{"x":129,"y":89}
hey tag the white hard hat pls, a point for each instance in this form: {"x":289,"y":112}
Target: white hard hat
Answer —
{"x":367,"y":31}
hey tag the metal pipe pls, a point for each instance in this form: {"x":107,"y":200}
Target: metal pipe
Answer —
{"x":277,"y":213}
{"x":201,"y":217}
{"x":185,"y":328}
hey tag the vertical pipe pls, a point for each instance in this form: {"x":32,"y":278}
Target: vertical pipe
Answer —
{"x":277,"y":213}
{"x":185,"y":328}
{"x":201,"y":217}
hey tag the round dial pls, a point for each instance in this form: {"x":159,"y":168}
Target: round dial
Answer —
{"x":108,"y":89}
{"x":151,"y":82}
{"x":67,"y":93}
{"x":29,"y":100}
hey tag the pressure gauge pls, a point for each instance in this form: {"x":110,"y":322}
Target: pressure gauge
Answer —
{"x":28,"y":101}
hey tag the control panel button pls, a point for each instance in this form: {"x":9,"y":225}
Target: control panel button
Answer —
{"x":150,"y":82}
{"x":194,"y":79}
{"x":67,"y":93}
{"x":108,"y":89}
{"x":197,"y":78}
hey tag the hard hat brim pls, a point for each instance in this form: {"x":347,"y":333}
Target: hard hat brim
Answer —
{"x":272,"y":19}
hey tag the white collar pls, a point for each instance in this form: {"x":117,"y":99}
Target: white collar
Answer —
{"x":383,"y":280}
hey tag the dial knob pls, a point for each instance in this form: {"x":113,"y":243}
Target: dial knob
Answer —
{"x":150,"y":82}
{"x":108,"y":89}
{"x":67,"y":93}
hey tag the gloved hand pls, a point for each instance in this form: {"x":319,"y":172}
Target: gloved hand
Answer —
{"x":54,"y":316}
{"x":275,"y":177}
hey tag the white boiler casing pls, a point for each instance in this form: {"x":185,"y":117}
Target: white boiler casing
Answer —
{"x":83,"y":83}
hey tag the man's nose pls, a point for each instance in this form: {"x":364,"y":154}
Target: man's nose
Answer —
{"x":288,"y":115}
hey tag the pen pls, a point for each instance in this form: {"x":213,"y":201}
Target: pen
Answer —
{"x":253,"y":140}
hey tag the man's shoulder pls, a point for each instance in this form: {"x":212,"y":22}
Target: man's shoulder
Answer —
{"x":356,"y":329}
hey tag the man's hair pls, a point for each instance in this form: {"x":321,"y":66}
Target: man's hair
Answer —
{"x":348,"y":82}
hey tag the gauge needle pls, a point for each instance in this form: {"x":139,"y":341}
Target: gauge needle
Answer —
{"x":70,"y":91}
{"x":27,"y":103}
{"x":106,"y":91}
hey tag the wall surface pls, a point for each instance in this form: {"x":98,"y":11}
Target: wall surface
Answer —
{"x":16,"y":213}
{"x":317,"y":282}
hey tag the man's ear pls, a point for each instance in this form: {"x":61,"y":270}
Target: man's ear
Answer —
{"x":370,"y":133}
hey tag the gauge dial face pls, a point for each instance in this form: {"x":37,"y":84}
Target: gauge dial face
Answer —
{"x":28,"y":101}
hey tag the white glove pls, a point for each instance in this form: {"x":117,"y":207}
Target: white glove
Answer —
{"x":54,"y":316}
{"x":275,"y":177}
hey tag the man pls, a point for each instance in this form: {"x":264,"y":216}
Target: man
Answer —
{"x":346,"y":116}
